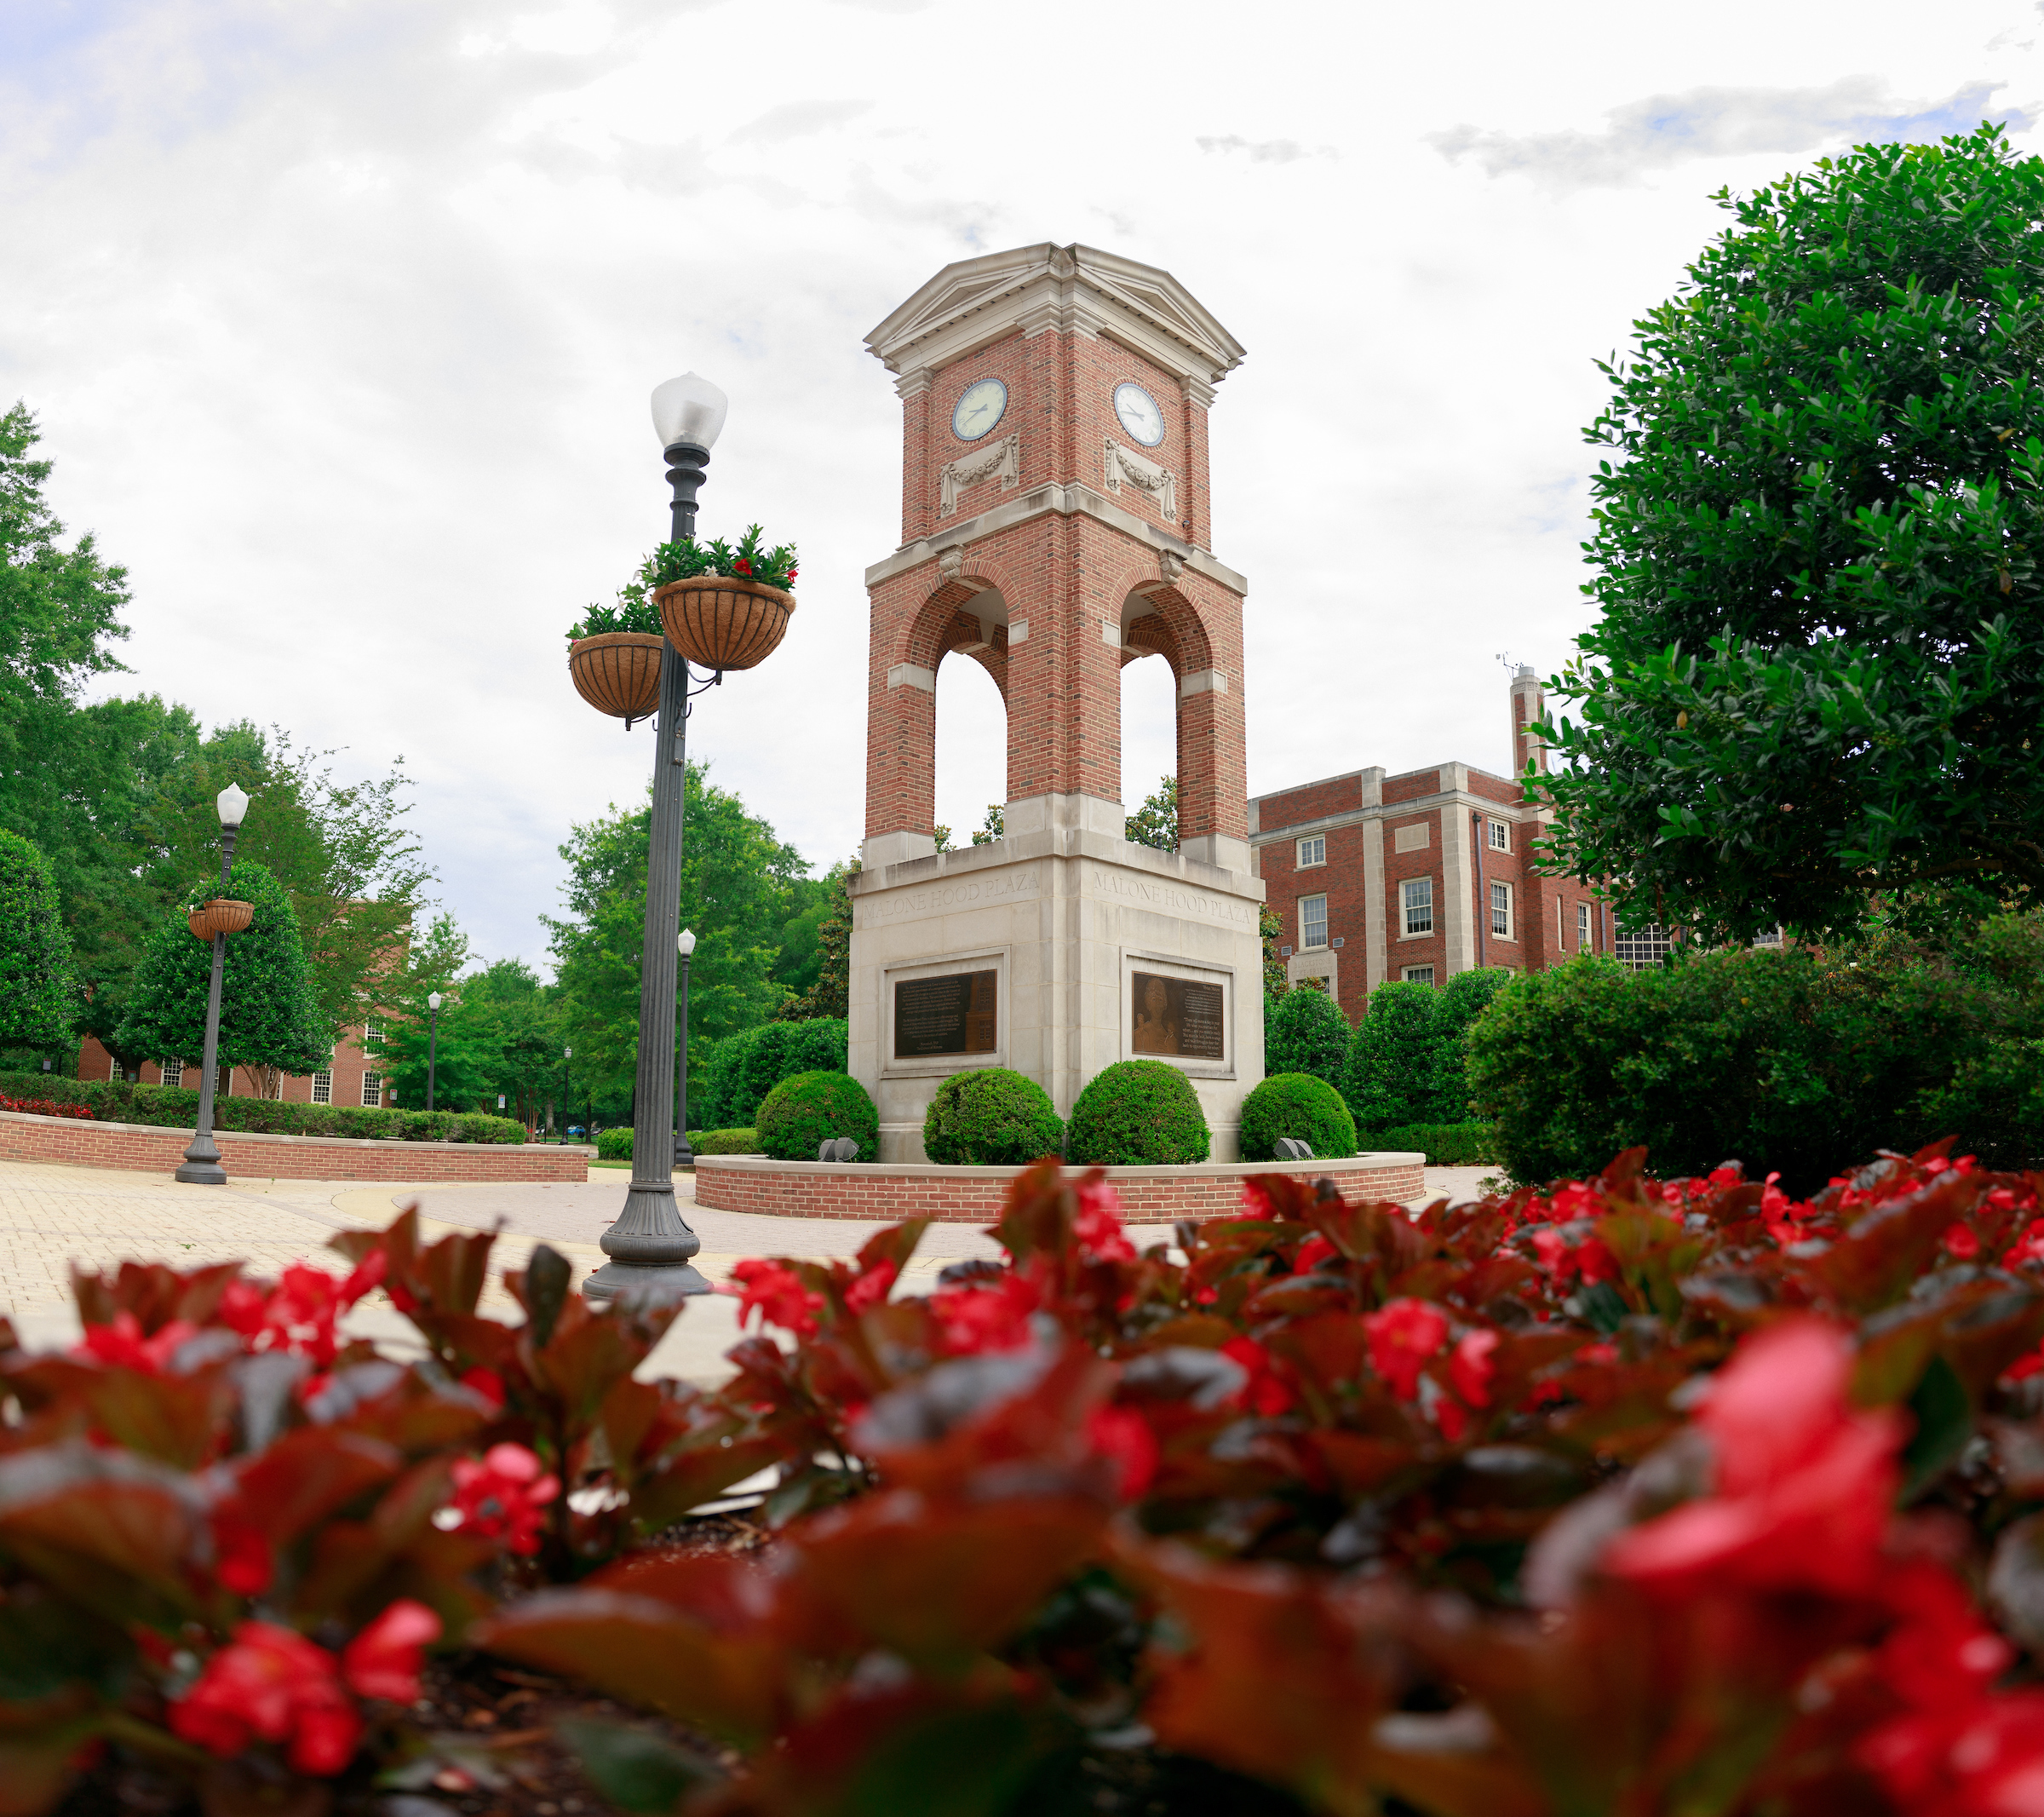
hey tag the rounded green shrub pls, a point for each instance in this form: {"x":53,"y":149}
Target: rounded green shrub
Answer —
{"x":801,"y":1114}
{"x":1299,"y":1106}
{"x":39,"y":984}
{"x":990,"y":1117}
{"x":614,"y":1145}
{"x":726,"y":1141}
{"x":1138,"y":1113}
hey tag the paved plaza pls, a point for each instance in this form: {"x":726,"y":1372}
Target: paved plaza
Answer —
{"x":52,"y":1216}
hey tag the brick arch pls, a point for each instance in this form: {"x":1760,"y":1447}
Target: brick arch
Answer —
{"x":946,"y":623}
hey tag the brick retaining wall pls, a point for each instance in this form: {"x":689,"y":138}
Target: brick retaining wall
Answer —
{"x":974,"y":1195}
{"x":146,"y":1149}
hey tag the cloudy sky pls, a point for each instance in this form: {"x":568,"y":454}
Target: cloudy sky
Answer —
{"x":340,"y":316}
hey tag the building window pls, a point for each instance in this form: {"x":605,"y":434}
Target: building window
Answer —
{"x":1772,"y":937}
{"x":1418,"y":975}
{"x":1501,"y":911}
{"x":174,"y":1072}
{"x":1312,"y":851}
{"x":373,"y":1090}
{"x":1583,"y":936}
{"x":1645,"y":947}
{"x":1500,"y":835}
{"x":372,"y":1030}
{"x":323,"y":1088}
{"x":1312,"y":920}
{"x":1416,"y":894}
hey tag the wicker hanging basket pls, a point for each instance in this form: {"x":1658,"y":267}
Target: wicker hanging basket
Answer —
{"x":719,"y":623}
{"x":223,"y":915}
{"x":617,"y":673}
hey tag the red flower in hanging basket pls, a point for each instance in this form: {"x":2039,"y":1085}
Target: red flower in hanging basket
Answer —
{"x":743,"y":566}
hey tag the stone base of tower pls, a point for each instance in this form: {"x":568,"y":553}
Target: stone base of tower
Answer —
{"x":1055,"y":951}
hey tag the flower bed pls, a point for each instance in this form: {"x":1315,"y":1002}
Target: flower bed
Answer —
{"x":45,"y":1107}
{"x":1624,"y":1497}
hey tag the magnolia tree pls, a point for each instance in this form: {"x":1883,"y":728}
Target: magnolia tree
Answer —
{"x":1818,"y":669}
{"x":269,"y":1019}
{"x":38,"y":989}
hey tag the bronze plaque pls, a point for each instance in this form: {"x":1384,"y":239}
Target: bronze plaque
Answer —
{"x":952,"y":1014}
{"x":1176,"y":1017}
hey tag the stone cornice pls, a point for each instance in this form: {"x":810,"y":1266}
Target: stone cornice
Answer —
{"x":1517,"y":812}
{"x":1037,"y":502}
{"x":1049,"y":288}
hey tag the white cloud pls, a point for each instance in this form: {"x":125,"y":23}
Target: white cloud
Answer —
{"x":1265,"y":151}
{"x":1668,"y":129}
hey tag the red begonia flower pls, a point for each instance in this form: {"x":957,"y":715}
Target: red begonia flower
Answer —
{"x":990,"y":1316}
{"x":385,"y":1659}
{"x":242,"y":1559}
{"x":777,"y":1294}
{"x":123,"y":1345}
{"x":1402,"y":1335}
{"x":1470,"y":1369}
{"x":1264,"y":1394}
{"x":270,"y":1684}
{"x":503,"y":1497}
{"x":487,"y":1383}
{"x":871,"y":1288}
{"x":1803,"y":1480}
{"x":1099,"y":1224}
{"x":1313,"y":1253}
{"x":1124,"y":1436}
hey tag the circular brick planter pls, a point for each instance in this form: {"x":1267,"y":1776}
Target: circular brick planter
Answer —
{"x":889,"y":1191}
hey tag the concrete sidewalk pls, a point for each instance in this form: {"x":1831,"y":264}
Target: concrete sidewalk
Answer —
{"x":52,"y":1216}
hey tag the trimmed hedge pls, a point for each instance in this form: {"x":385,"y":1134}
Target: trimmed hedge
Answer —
{"x":743,"y":1068}
{"x":728,"y":1142}
{"x":803,"y":1112}
{"x":1304,"y":1031}
{"x":1298,"y":1105}
{"x":990,"y":1117}
{"x":167,"y":1107}
{"x":1138,"y":1113}
{"x":1445,"y":1144}
{"x":614,"y":1145}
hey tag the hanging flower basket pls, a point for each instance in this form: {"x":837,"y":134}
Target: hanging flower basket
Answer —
{"x":617,"y":673}
{"x":223,"y":915}
{"x":721,"y":622}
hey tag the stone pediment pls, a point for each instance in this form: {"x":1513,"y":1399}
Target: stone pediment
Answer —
{"x":1047,"y":287}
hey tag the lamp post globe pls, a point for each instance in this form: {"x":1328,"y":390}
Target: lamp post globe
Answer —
{"x":201,"y":1165}
{"x":433,"y":1041}
{"x":651,"y":1246}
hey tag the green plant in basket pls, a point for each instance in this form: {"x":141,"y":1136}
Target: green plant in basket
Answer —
{"x":635,"y":609}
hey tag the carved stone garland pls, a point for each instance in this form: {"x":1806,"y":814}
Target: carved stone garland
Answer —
{"x":1123,"y":463}
{"x":1003,"y":458}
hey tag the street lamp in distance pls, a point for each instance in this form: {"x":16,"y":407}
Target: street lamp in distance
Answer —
{"x":432,"y":1042}
{"x":566,"y":1055}
{"x":202,"y":1159}
{"x":684,"y":1156}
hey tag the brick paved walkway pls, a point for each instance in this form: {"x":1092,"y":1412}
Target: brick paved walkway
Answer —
{"x":51,"y":1215}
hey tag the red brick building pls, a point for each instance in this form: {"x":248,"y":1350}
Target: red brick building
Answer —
{"x":353,"y":1077}
{"x":1420,"y":876}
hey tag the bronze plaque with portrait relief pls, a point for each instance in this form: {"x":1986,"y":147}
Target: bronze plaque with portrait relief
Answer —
{"x":951,"y":1014}
{"x":1176,"y":1017}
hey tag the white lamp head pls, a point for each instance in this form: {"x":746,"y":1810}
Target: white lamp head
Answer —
{"x":685,"y":943}
{"x":232,"y":804}
{"x":567,"y":1053}
{"x":433,"y":999}
{"x":689,"y":409}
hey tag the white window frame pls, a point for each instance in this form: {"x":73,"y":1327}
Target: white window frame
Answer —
{"x":1771,"y":938}
{"x":371,"y":1032}
{"x":1306,"y":942}
{"x":372,"y":1082}
{"x":1586,"y":926}
{"x":1415,"y":898}
{"x":1312,"y":852}
{"x":173,"y":1072}
{"x":1649,"y":946}
{"x":1416,"y":974}
{"x":323,"y":1088}
{"x":1501,"y":920}
{"x":1500,"y":835}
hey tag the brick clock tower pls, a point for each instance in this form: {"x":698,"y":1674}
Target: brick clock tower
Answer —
{"x":1055,"y":527}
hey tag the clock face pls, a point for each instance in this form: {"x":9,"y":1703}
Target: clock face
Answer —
{"x":980,"y":408}
{"x":1139,"y":414}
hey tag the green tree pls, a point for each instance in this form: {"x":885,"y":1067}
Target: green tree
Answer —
{"x":1155,"y":822}
{"x":38,"y":989}
{"x":737,"y":881}
{"x":1391,"y":1077}
{"x":1818,"y":666}
{"x":1270,"y":926}
{"x":1462,"y":1000}
{"x":522,"y":1017}
{"x":270,"y":1021}
{"x":463,"y":1050}
{"x":1306,"y":1031}
{"x":995,"y":826}
{"x":830,"y":995}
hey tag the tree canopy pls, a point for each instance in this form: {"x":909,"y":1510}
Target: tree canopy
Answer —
{"x":1819,"y":667}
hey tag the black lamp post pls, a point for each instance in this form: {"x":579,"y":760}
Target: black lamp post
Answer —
{"x":433,"y":1041}
{"x":684,"y":1156}
{"x":202,"y":1159}
{"x":566,"y":1055}
{"x":649,"y":1245}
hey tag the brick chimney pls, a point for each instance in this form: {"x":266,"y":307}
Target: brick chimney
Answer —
{"x":1528,"y":704}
